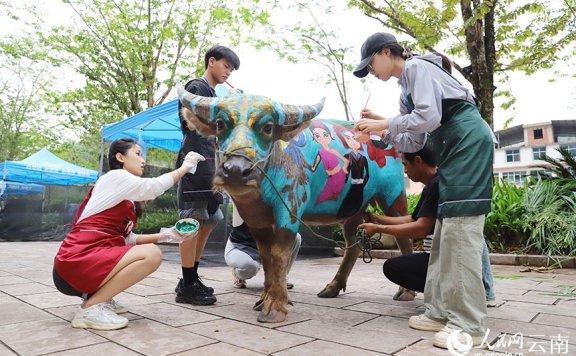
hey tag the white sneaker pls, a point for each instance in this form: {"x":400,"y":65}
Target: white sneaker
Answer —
{"x":239,"y":283}
{"x":116,"y":306}
{"x":99,"y":317}
{"x":456,"y":337}
{"x":493,"y":303}
{"x":422,"y":322}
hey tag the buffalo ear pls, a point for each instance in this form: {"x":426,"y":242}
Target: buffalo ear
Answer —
{"x":288,"y":132}
{"x":195,"y":123}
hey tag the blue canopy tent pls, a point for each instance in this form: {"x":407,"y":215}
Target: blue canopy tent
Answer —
{"x":22,"y":215}
{"x":15,"y":188}
{"x":157,"y":127}
{"x":43,"y":167}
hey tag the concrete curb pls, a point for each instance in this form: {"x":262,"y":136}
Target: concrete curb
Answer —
{"x":495,"y":258}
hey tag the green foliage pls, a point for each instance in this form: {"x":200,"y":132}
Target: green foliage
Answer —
{"x":51,"y":221}
{"x":550,"y":218}
{"x":128,"y":53}
{"x":160,"y":212}
{"x":165,"y":201}
{"x":310,"y":40}
{"x":22,"y":86}
{"x":504,"y":224}
{"x":495,"y":37}
{"x":152,"y":221}
{"x":562,"y":168}
{"x":412,"y":202}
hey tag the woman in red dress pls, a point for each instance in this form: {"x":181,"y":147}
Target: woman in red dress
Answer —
{"x":101,"y":256}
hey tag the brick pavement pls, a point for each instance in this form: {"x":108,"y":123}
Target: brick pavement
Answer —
{"x":540,"y":308}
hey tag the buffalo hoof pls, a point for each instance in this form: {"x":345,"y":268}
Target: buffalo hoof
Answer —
{"x":259,"y":305}
{"x":329,"y":292}
{"x":273,"y":316}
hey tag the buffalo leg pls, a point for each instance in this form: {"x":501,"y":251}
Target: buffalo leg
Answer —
{"x":400,"y":208}
{"x":263,"y":238}
{"x":275,"y":294}
{"x":351,"y":253}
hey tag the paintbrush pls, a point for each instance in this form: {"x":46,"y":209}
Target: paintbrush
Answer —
{"x":367,"y":99}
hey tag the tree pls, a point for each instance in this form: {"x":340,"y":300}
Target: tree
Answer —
{"x":496,"y":36}
{"x":314,"y":41}
{"x":129,"y":53}
{"x":22,"y":131}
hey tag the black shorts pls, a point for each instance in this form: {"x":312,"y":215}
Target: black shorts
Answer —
{"x":65,"y":288}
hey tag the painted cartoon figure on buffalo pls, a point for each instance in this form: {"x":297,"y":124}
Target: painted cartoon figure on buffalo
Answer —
{"x":330,"y":158}
{"x":357,"y":170}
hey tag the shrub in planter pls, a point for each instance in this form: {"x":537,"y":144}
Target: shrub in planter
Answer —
{"x":152,"y":221}
{"x":504,"y":225}
{"x":550,"y":219}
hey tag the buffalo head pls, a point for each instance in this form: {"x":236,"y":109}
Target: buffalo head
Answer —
{"x":246,"y":127}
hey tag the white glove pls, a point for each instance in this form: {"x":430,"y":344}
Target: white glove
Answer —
{"x":169,"y":234}
{"x":191,"y":161}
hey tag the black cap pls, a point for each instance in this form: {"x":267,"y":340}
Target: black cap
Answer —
{"x":372,"y":45}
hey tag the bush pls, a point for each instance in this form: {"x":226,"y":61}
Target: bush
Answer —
{"x":550,"y":218}
{"x":152,"y":221}
{"x":504,"y":226}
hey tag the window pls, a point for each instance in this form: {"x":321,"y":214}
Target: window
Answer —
{"x":565,"y":139}
{"x":513,"y":156}
{"x":517,"y":178}
{"x":539,"y":153}
{"x":571,"y":148}
{"x":538,"y":174}
{"x":538,"y":134}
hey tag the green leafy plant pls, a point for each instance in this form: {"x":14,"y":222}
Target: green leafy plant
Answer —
{"x":412,"y":202}
{"x":562,"y":168}
{"x":152,"y":221}
{"x":551,"y":207}
{"x":504,"y":225}
{"x":550,"y":218}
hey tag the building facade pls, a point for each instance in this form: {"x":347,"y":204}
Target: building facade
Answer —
{"x":520,"y":149}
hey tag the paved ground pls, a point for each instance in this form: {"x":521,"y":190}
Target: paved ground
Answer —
{"x":538,"y":310}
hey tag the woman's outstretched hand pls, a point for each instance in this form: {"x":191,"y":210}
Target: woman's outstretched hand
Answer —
{"x":170,"y":235}
{"x":191,"y":161}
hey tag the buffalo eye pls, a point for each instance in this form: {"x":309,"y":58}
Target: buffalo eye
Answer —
{"x":220,"y":125}
{"x":268,"y":129}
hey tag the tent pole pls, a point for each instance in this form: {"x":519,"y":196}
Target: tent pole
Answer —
{"x":101,"y":166}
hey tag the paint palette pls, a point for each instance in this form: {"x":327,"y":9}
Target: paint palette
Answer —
{"x":187,"y":227}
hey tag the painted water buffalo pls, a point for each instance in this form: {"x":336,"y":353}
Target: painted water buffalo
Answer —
{"x":280,"y":168}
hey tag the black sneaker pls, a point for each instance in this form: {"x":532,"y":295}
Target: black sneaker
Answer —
{"x":207,"y":290}
{"x":194,"y":294}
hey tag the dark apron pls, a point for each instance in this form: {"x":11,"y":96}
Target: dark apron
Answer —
{"x":465,"y":154}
